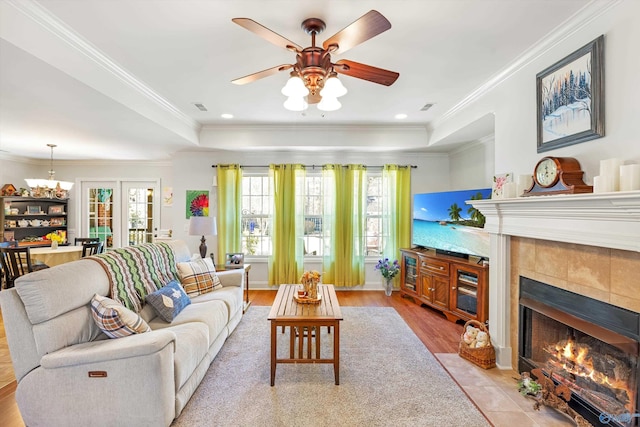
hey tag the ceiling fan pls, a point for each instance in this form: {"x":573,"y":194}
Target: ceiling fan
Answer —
{"x":313,"y":67}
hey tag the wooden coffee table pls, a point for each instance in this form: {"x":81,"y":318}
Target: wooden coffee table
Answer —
{"x":304,"y":322}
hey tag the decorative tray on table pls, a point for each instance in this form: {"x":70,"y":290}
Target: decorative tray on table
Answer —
{"x":307,"y":300}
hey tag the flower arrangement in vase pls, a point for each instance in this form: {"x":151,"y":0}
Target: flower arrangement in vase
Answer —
{"x":389,"y":270}
{"x":310,"y":280}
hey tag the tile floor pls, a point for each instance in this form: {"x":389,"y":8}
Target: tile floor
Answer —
{"x":495,"y":393}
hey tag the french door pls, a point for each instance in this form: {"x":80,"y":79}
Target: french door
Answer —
{"x":119,"y":212}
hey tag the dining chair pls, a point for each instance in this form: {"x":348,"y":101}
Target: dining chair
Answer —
{"x":91,"y":248}
{"x":2,"y":273}
{"x":81,"y":240}
{"x":16,"y":262}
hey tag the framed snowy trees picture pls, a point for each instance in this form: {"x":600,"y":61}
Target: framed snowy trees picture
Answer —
{"x":570,"y":98}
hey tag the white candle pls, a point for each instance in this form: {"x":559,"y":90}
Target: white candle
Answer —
{"x":629,"y":177}
{"x":603,"y":184}
{"x":509,"y":190}
{"x":611,"y":167}
{"x":524,"y":183}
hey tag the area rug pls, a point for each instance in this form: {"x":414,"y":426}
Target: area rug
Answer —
{"x":387,"y":378}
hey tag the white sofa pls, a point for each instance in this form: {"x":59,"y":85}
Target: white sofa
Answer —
{"x":70,"y":373}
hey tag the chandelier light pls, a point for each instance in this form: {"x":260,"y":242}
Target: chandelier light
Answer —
{"x":49,"y":187}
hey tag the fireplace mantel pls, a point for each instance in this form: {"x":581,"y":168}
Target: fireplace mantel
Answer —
{"x":609,"y":220}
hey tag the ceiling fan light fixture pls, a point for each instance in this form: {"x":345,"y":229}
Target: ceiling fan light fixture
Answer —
{"x":329,"y":103}
{"x":295,"y":87}
{"x":333,"y":87}
{"x":296,"y":103}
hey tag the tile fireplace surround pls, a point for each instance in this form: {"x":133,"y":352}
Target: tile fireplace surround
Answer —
{"x":588,"y":244}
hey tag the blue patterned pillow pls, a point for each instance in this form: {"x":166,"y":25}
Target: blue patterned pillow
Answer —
{"x":169,"y":300}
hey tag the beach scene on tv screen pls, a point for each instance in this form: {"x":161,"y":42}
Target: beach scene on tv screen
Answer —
{"x":444,"y":221}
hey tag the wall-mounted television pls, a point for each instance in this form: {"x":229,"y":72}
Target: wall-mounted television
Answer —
{"x":444,"y":222}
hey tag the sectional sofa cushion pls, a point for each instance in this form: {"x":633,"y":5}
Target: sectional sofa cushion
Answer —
{"x":169,"y":300}
{"x":198,"y":277}
{"x":114,"y":319}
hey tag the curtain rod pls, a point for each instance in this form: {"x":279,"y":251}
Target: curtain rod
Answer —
{"x":312,"y":166}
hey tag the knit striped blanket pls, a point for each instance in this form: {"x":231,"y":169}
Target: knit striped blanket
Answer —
{"x":136,"y":271}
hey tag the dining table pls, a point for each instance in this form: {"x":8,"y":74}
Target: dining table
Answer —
{"x":56,"y":256}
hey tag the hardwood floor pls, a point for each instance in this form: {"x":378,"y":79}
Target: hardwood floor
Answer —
{"x":432,"y":328}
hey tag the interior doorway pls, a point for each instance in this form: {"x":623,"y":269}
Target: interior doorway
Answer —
{"x":119,"y":212}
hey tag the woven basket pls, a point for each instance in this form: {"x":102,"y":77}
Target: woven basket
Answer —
{"x":485,"y":357}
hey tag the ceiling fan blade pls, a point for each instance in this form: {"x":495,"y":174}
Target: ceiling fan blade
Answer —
{"x":267,"y":34}
{"x":261,"y":74}
{"x":366,"y":72}
{"x":362,"y":29}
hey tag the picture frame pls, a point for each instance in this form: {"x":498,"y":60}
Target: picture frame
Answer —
{"x":56,"y":222}
{"x":33,"y":210}
{"x":56,"y":210}
{"x":570,"y":98}
{"x":234,"y":260}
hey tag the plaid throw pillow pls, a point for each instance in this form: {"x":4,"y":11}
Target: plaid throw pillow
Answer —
{"x":198,"y":277}
{"x":116,"y":320}
{"x":169,"y":301}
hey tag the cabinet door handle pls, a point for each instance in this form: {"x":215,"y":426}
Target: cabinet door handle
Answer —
{"x":454,"y":288}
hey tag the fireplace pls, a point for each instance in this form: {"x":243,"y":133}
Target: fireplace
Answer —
{"x":588,"y":345}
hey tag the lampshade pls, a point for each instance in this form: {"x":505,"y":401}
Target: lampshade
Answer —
{"x":50,"y":186}
{"x":333,"y":87}
{"x":329,"y":104}
{"x":296,"y":103}
{"x":295,"y":87}
{"x":203,"y":226}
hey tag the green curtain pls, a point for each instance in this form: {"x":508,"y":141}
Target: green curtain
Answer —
{"x":343,"y":219}
{"x":396,"y":211}
{"x":286,"y":262}
{"x":229,"y":221}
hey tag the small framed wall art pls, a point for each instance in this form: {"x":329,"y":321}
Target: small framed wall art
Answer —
{"x":570,"y":98}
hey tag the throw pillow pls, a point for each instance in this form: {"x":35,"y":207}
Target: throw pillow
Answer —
{"x":198,"y":277}
{"x":116,"y":320}
{"x":169,"y":300}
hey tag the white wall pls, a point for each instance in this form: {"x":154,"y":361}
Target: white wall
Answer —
{"x":13,"y":170}
{"x":193,"y":171}
{"x":473,"y":165}
{"x":514,"y":100}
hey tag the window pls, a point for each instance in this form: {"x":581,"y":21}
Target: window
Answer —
{"x":140,"y":215}
{"x":257,"y":202}
{"x":373,"y":229}
{"x":313,"y":215}
{"x":256,"y":214}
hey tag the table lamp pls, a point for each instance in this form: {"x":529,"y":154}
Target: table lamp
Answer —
{"x":202,"y":226}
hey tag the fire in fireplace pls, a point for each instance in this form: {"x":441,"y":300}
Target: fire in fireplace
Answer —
{"x":588,"y":345}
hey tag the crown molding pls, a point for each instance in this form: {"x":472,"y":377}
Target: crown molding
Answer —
{"x":480,"y":142}
{"x":313,"y":127}
{"x":562,"y":32}
{"x":47,"y":20}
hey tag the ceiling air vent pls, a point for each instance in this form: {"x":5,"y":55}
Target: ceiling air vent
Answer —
{"x":426,"y":107}
{"x":200,"y":106}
